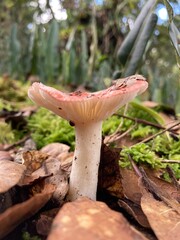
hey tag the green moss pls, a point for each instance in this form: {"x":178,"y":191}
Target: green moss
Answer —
{"x":7,"y":135}
{"x":111,"y":124}
{"x":135,"y":110}
{"x":140,"y":153}
{"x":152,"y":154}
{"x":169,"y":148}
{"x":27,"y":236}
{"x":13,"y":90}
{"x":46,"y":127}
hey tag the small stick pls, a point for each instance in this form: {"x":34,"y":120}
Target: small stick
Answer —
{"x":115,"y":137}
{"x":134,"y":166}
{"x":170,"y":161}
{"x":157,"y":134}
{"x":17,"y":143}
{"x":145,"y":122}
{"x":173,"y":178}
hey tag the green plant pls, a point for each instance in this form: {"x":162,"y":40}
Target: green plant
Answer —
{"x":173,"y":31}
{"x":153,"y":153}
{"x":47,"y":128}
{"x":15,"y":51}
{"x":52,"y":53}
{"x":133,"y":47}
{"x":7,"y":135}
{"x":140,"y":46}
{"x":27,"y":236}
{"x":136,"y":111}
{"x":140,"y":153}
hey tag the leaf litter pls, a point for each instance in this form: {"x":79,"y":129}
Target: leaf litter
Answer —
{"x":150,"y":204}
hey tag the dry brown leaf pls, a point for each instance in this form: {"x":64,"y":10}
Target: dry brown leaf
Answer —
{"x":10,"y":174}
{"x":109,"y":180}
{"x":134,"y":210}
{"x":56,"y":150}
{"x":4,"y":155}
{"x":45,"y":220}
{"x":161,"y":184}
{"x":59,"y":179}
{"x":157,"y":191}
{"x":164,"y":221}
{"x":51,"y":170}
{"x":130,"y":185}
{"x":87,"y":219}
{"x":15,"y":215}
{"x":33,"y":160}
{"x":66,"y":162}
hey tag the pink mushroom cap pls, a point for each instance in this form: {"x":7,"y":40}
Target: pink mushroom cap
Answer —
{"x":81,"y":107}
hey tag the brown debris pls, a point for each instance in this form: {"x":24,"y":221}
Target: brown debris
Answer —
{"x":158,"y":193}
{"x":164,"y":220}
{"x":109,"y":176}
{"x":134,"y":210}
{"x":87,"y":219}
{"x":51,"y":170}
{"x":43,"y":224}
{"x":55,"y":150}
{"x":130,"y":185}
{"x":10,"y":174}
{"x":33,"y":160}
{"x":15,"y":215}
{"x":4,"y":155}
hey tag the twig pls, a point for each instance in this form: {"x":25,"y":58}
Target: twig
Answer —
{"x":115,"y":137}
{"x":17,"y":143}
{"x":145,"y":122}
{"x":134,"y":166}
{"x":170,"y":161}
{"x":173,"y":177}
{"x":157,"y":134}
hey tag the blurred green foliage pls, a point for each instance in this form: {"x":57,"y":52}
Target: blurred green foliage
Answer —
{"x":92,"y":44}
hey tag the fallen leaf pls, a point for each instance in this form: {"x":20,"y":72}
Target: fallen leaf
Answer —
{"x":51,"y":170}
{"x":56,"y":150}
{"x":10,"y":174}
{"x":130,"y":185}
{"x":59,"y":178}
{"x":66,"y":162}
{"x":33,"y":160}
{"x":4,"y":155}
{"x":87,"y":219}
{"x":159,"y":193}
{"x":109,"y":180}
{"x":15,"y":215}
{"x":164,"y":220}
{"x":162,"y":184}
{"x":43,"y":224}
{"x":134,"y":210}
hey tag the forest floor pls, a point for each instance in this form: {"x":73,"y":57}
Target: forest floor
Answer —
{"x":138,"y":184}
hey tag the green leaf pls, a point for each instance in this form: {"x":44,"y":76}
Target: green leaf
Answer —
{"x":173,"y":31}
{"x":52,"y":55}
{"x":175,"y":37}
{"x":140,"y":45}
{"x":15,"y":50}
{"x":128,"y":43}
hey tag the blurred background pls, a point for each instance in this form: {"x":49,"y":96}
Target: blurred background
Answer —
{"x":88,"y":43}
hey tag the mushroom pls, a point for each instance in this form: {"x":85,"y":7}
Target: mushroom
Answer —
{"x":86,"y":111}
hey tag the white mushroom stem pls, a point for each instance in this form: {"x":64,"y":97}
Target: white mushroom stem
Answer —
{"x":84,"y":173}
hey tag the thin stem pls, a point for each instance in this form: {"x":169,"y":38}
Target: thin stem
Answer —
{"x":84,"y":173}
{"x":146,"y":122}
{"x":157,"y":134}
